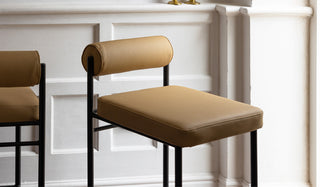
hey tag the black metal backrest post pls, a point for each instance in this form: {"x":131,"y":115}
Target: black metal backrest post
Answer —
{"x":42,"y":130}
{"x":178,"y":167}
{"x":90,"y":171}
{"x":254,"y":159}
{"x":166,"y":75}
{"x":165,"y":146}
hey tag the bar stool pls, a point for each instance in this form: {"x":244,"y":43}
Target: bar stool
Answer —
{"x":174,"y":115}
{"x":19,"y":106}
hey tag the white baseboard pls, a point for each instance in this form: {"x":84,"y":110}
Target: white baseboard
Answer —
{"x":189,"y":180}
{"x":245,"y":183}
{"x":286,"y":184}
{"x":225,"y":182}
{"x":199,"y":180}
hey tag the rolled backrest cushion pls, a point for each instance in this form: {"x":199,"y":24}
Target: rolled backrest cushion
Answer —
{"x":128,"y":54}
{"x":19,"y":68}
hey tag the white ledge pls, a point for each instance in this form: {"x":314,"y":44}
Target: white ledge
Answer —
{"x":228,"y":10}
{"x":89,"y":8}
{"x":278,"y":11}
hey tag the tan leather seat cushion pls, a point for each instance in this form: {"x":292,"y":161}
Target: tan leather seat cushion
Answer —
{"x":18,"y":104}
{"x":180,"y":116}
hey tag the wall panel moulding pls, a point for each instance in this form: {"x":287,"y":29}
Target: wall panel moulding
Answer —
{"x":94,"y":8}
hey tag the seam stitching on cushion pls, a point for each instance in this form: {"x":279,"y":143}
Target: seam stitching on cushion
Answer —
{"x":229,"y":121}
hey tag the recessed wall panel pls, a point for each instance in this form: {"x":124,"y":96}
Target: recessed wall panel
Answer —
{"x":69,"y":123}
{"x":190,"y":41}
{"x":60,"y":46}
{"x":7,"y":134}
{"x":123,"y":140}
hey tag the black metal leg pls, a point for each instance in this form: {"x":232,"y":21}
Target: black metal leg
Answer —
{"x":90,"y":129}
{"x":18,"y":157}
{"x":165,"y":165}
{"x":41,"y":164}
{"x":42,"y":130}
{"x":254,"y":159}
{"x":178,"y":166}
{"x":90,"y":154}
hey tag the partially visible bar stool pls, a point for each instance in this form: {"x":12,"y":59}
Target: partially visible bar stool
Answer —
{"x":19,"y":106}
{"x":174,"y":115}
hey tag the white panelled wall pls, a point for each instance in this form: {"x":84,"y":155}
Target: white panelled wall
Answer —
{"x":258,"y":54}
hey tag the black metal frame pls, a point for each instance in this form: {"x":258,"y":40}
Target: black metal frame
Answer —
{"x":41,"y":142}
{"x":178,"y":150}
{"x":254,"y":158}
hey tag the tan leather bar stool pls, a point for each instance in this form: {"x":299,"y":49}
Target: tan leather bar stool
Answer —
{"x":174,"y":115}
{"x":19,"y":106}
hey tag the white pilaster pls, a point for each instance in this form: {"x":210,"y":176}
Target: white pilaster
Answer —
{"x":277,"y":69}
{"x":314,"y":95}
{"x":231,"y":81}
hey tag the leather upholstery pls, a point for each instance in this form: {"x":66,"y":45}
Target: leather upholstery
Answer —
{"x":18,"y":104}
{"x":19,"y":68}
{"x":129,"y":54}
{"x":180,"y":116}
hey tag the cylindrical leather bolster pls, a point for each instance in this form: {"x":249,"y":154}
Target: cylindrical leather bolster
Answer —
{"x":19,"y":68}
{"x":129,"y":54}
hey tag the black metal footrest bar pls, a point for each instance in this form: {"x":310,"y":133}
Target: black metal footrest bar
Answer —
{"x":24,"y":123}
{"x":94,"y":115}
{"x":12,"y":144}
{"x":104,"y":127}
